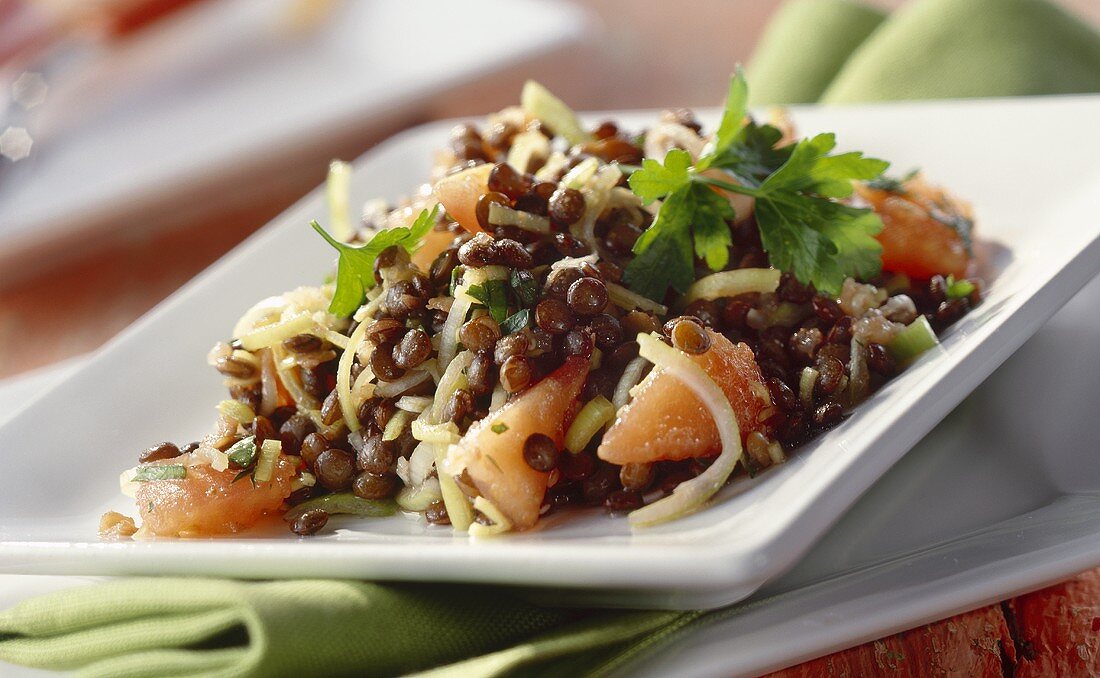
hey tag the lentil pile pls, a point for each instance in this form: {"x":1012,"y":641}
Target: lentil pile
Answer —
{"x":419,"y":396}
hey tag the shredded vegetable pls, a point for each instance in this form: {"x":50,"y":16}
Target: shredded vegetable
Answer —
{"x":917,"y":337}
{"x":733,"y":283}
{"x":540,"y":104}
{"x":265,"y":466}
{"x":237,"y":410}
{"x":500,"y":525}
{"x":348,"y":406}
{"x":595,"y":414}
{"x":344,"y":503}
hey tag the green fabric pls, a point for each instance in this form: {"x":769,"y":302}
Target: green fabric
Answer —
{"x":804,"y":46}
{"x":832,"y":50}
{"x":928,"y":49}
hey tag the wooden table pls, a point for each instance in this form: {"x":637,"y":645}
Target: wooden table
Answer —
{"x":70,"y":310}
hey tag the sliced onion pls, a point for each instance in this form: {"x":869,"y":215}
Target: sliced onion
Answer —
{"x":733,"y":283}
{"x":691,"y":495}
{"x":421,"y":462}
{"x":448,"y":344}
{"x":273,"y":334}
{"x":453,"y":379}
{"x":269,"y":385}
{"x":414,"y":404}
{"x":389,"y":389}
{"x":343,"y":377}
{"x":632,"y":374}
{"x":624,"y":298}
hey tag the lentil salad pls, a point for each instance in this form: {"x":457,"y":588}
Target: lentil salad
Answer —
{"x":567,"y":316}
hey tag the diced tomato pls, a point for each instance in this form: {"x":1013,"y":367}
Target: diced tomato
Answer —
{"x":665,"y":420}
{"x":914,"y":241}
{"x":460,"y":192}
{"x":208,"y":502}
{"x":493,"y":447}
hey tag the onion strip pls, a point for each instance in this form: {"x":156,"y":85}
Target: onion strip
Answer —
{"x":624,"y":298}
{"x":343,"y":377}
{"x":691,"y":495}
{"x":632,"y":374}
{"x":733,"y":283}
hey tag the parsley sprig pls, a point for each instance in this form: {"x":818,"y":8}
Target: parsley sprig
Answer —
{"x":802,"y":227}
{"x":355,"y":267}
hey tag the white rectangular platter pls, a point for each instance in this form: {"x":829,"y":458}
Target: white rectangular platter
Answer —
{"x":1025,"y":164}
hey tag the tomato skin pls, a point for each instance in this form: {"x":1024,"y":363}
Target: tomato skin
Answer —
{"x":459,"y":193}
{"x":914,"y":241}
{"x":493,"y":447}
{"x":666,"y":421}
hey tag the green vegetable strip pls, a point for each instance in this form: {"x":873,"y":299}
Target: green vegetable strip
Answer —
{"x":164,"y":472}
{"x":344,"y":503}
{"x":914,"y":340}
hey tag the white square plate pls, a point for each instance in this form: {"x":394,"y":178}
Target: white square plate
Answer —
{"x":1026,"y":164}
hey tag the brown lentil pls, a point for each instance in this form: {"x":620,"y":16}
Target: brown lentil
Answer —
{"x":369,"y":485}
{"x":232,"y":367}
{"x":460,"y":404}
{"x":578,"y":343}
{"x":263,"y":429}
{"x":504,"y":178}
{"x":478,"y":251}
{"x":830,"y":372}
{"x":480,"y":333}
{"x":444,"y":263}
{"x":312,"y":447}
{"x":481,"y":209}
{"x":309,"y":522}
{"x":511,"y":345}
{"x":566,"y":205}
{"x":540,"y":452}
{"x":334,"y":469}
{"x":413,"y":349}
{"x":636,"y":477}
{"x":515,"y":373}
{"x":293,"y":431}
{"x":879,"y":360}
{"x":436,"y":514}
{"x":576,"y":466}
{"x":383,"y":365}
{"x":569,"y":246}
{"x":303,"y":344}
{"x":587,"y":296}
{"x":384,"y":331}
{"x":558,"y":281}
{"x":828,"y":414}
{"x":159,"y":452}
{"x":600,"y":483}
{"x":554,"y":316}
{"x":376,"y":456}
{"x":330,"y":409}
{"x":479,"y":375}
{"x":689,"y":336}
{"x":512,"y":254}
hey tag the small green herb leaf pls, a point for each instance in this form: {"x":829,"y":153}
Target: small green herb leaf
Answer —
{"x":163,"y":472}
{"x":355,"y":267}
{"x":516,"y":322}
{"x":957,"y":289}
{"x":525,"y":287}
{"x":499,"y":428}
{"x":243,"y":452}
{"x":811,"y":169}
{"x":655,"y":180}
{"x":493,"y":295}
{"x":733,"y":117}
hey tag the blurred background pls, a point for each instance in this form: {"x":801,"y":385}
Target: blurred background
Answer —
{"x":142,"y":139}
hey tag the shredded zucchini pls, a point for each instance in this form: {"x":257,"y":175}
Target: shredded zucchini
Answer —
{"x":540,"y":104}
{"x":414,"y":404}
{"x":420,"y":498}
{"x":806,"y":384}
{"x":396,"y":425}
{"x":337,"y":188}
{"x":500,"y":525}
{"x":277,"y":332}
{"x":344,"y":503}
{"x":269,"y":454}
{"x":917,"y":337}
{"x":624,"y":298}
{"x":595,"y":414}
{"x":733,"y":283}
{"x":500,"y":215}
{"x":458,"y":506}
{"x":348,"y":406}
{"x":235,"y":409}
{"x":446,"y":432}
{"x":527,"y":147}
{"x":580,"y":175}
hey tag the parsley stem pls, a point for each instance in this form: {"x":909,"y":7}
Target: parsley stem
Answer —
{"x":727,"y":186}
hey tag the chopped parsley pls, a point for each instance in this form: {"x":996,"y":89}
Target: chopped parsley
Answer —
{"x":957,"y":289}
{"x":893,"y":184}
{"x":242,"y":453}
{"x":517,"y":322}
{"x":802,"y":228}
{"x":498,"y":428}
{"x":493,"y":294}
{"x":163,"y":472}
{"x":355,"y":267}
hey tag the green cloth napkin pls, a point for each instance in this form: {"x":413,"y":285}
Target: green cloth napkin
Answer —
{"x":829,"y":50}
{"x":928,"y":49}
